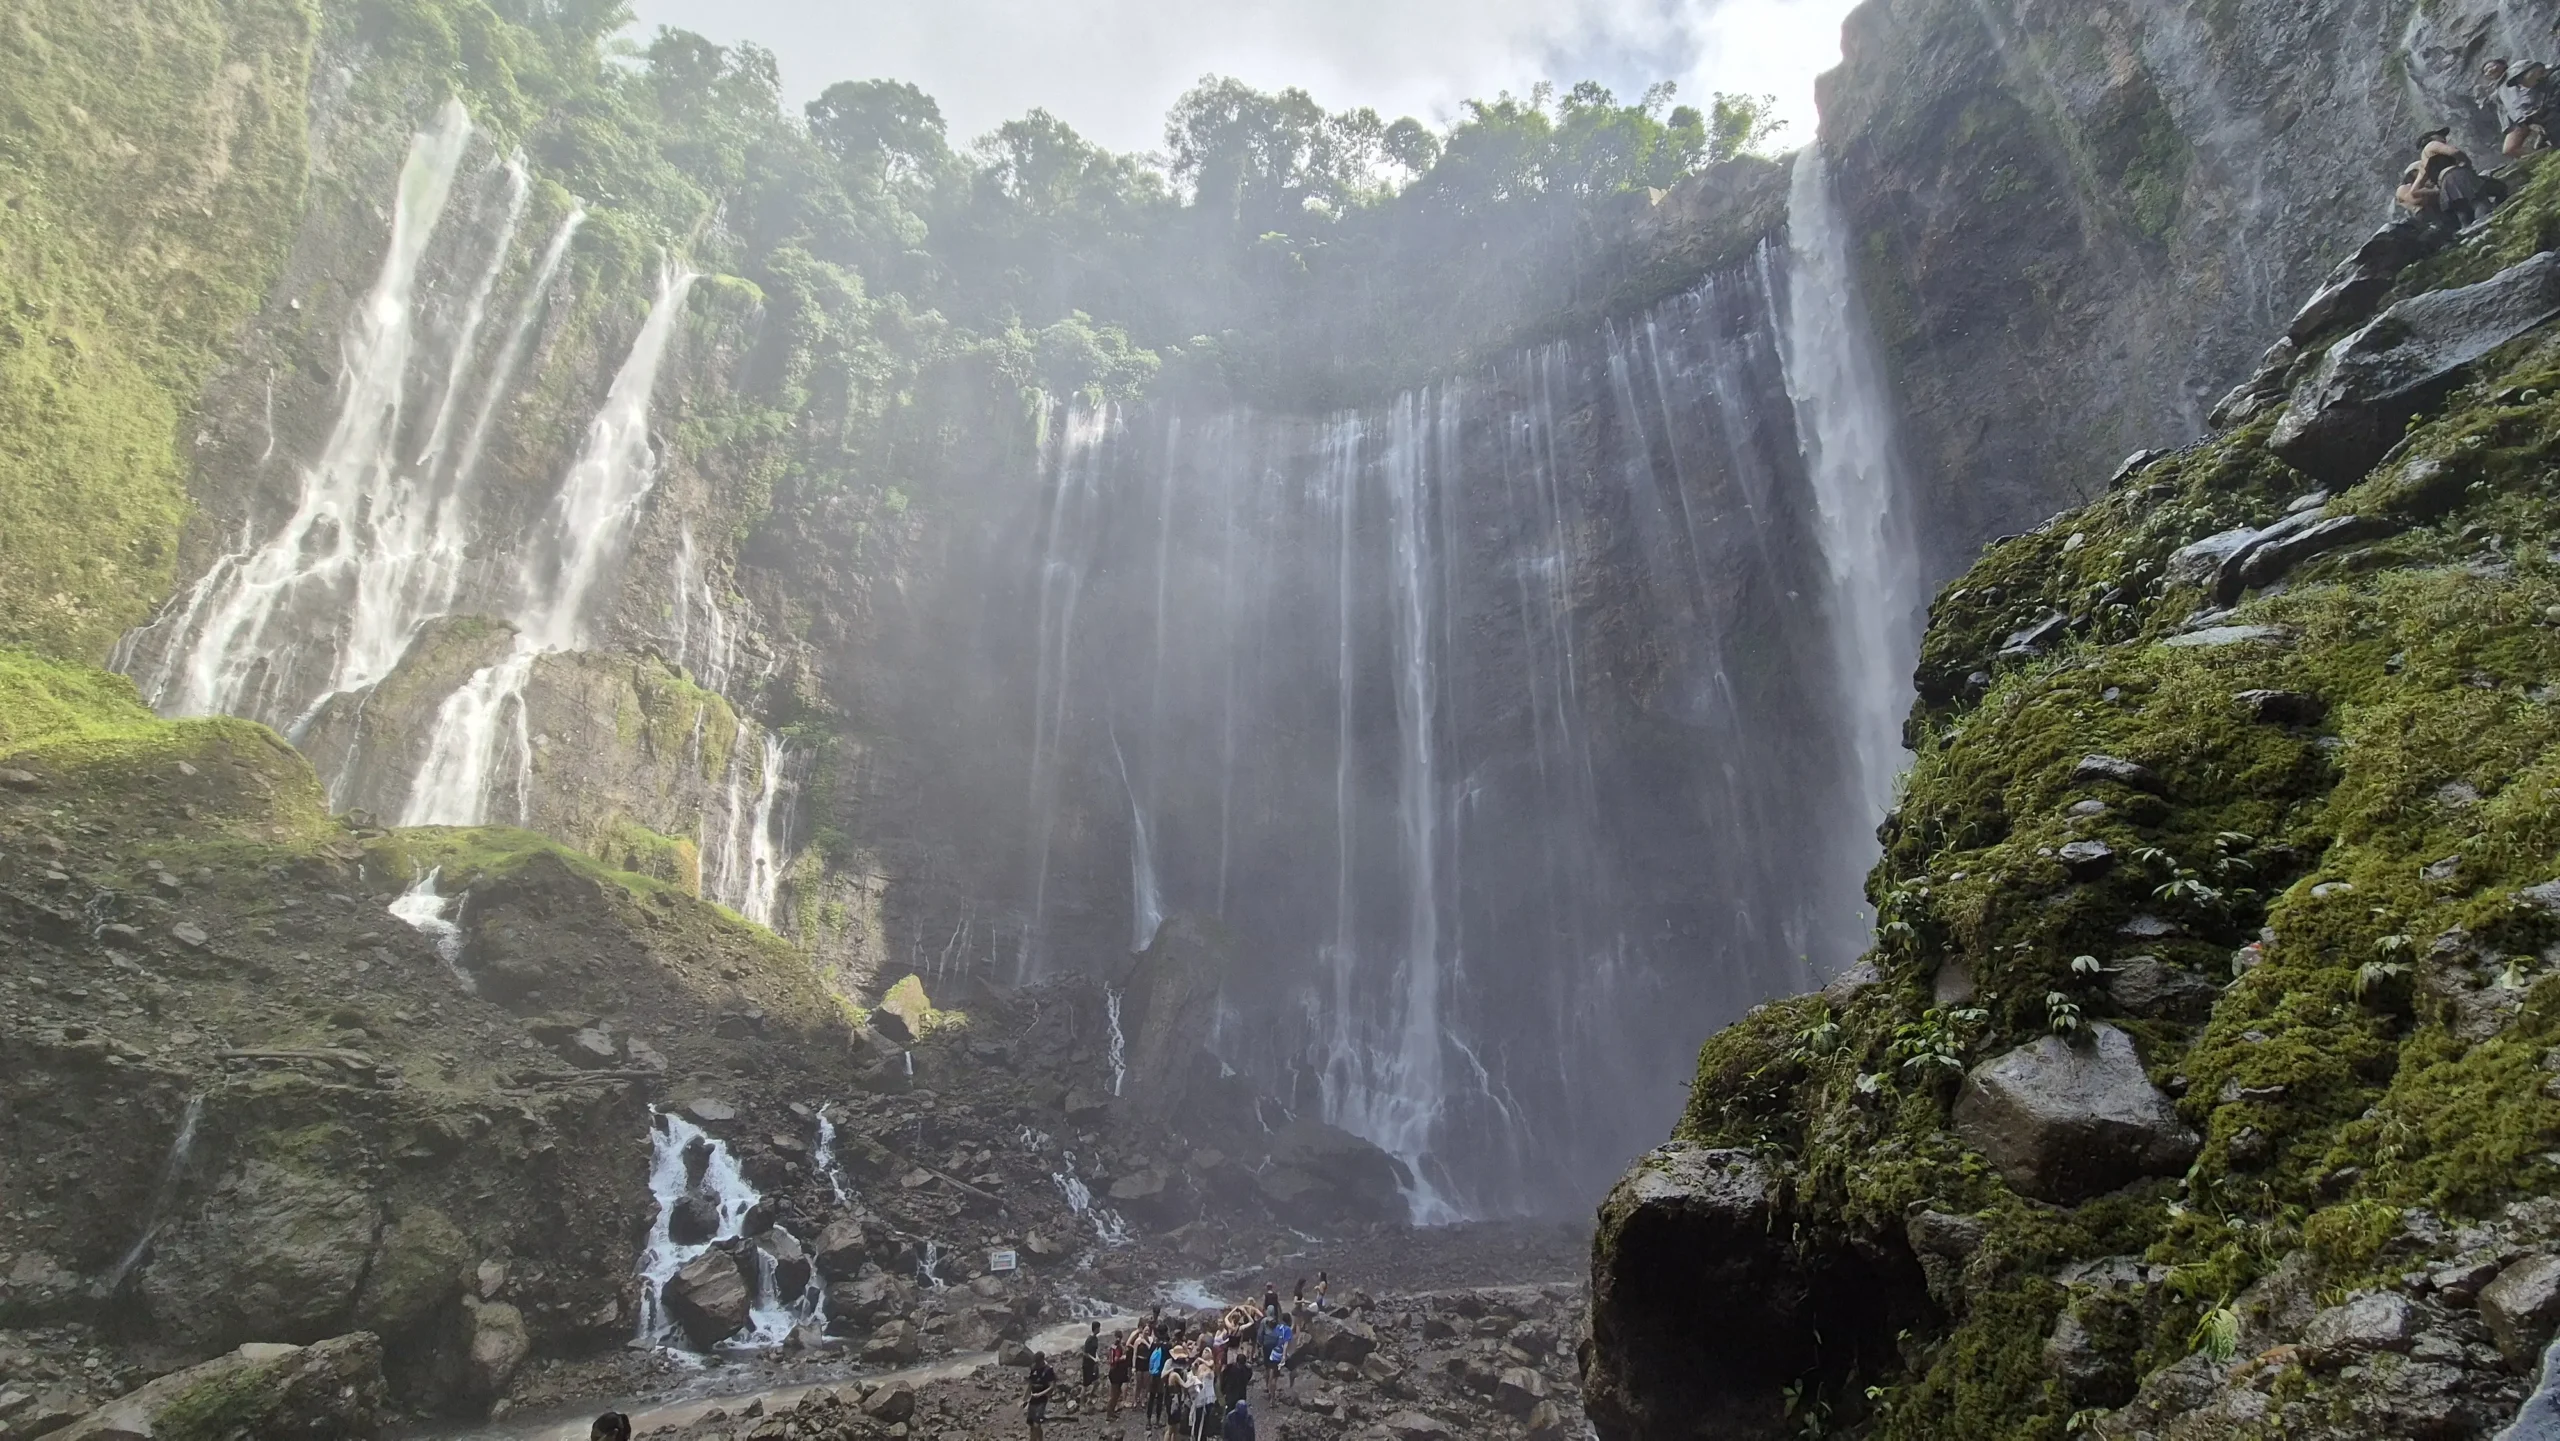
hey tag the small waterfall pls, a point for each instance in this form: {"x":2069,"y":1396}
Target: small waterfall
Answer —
{"x":172,"y":1171}
{"x":1146,"y":909}
{"x":1116,"y":1051}
{"x":929,"y":1267}
{"x":1844,"y":418}
{"x":709,"y":650}
{"x":579,"y":543}
{"x":342,"y":564}
{"x":822,"y":1157}
{"x":765,"y":861}
{"x":466,"y":465}
{"x":770,"y":1316}
{"x":475,"y":309}
{"x":1109,"y":1227}
{"x":1067,"y":544}
{"x":424,"y":911}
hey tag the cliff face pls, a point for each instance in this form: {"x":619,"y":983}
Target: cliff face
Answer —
{"x":2195,"y":1083}
{"x":2079,"y":224}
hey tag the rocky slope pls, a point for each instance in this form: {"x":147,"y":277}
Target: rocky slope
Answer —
{"x":2199,"y":1083}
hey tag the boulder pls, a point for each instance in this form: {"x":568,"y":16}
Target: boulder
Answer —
{"x":2360,"y":281}
{"x":2197,"y":563}
{"x":840,"y":1249}
{"x":276,"y":1254}
{"x":1333,"y":1338}
{"x":904,"y":1011}
{"x":2361,"y":1325}
{"x":693,"y":1220}
{"x":1953,"y":985}
{"x":2063,"y":1122}
{"x":2215,"y":637}
{"x":895,"y":1344}
{"x":893,"y":1403}
{"x":2272,"y":553}
{"x":1849,"y":984}
{"x":2151,"y":988}
{"x":2538,"y":1419}
{"x":2087,"y":860}
{"x":708,"y":1299}
{"x":1545,"y":1422}
{"x":1519,"y":1392}
{"x":1707,"y":1301}
{"x":1323,"y":1174}
{"x":2360,"y":397}
{"x":328,"y":1391}
{"x":2522,"y":1307}
{"x":1415,"y":1426}
{"x":790,"y":1261}
{"x":494,"y":1346}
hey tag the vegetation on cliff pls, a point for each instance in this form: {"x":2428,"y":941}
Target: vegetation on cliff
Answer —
{"x":2340,"y":804}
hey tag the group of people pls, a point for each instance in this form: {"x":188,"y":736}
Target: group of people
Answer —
{"x":1193,"y":1378}
{"x":2443,"y":181}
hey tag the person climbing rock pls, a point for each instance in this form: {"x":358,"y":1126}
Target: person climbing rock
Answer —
{"x":2442,"y":180}
{"x":1043,"y":1384}
{"x":611,"y":1426}
{"x":2522,"y":101}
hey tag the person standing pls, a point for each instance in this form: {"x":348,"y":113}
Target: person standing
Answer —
{"x":1156,"y":1356}
{"x":1236,"y":1377}
{"x":1042,"y":1385}
{"x":1119,"y":1371}
{"x":1089,"y":1373}
{"x":1204,"y":1401}
{"x":1277,"y":1358}
{"x":1239,"y":1425}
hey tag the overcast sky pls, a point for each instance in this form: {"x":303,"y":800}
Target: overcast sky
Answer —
{"x":1111,"y":68}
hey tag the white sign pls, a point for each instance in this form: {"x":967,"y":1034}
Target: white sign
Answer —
{"x":1001,"y":1261}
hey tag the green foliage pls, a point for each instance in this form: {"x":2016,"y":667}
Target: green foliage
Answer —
{"x":151,"y":162}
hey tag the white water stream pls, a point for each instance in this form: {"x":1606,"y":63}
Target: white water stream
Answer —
{"x":770,"y":1318}
{"x":424,"y":911}
{"x":480,"y":730}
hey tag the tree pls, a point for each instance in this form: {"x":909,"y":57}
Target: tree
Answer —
{"x":1741,"y":125}
{"x":882,"y":129}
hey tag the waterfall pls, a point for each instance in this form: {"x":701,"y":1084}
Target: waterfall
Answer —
{"x":466,"y":465}
{"x":172,"y":1170}
{"x":765,"y":862}
{"x":1844,"y":418}
{"x":1146,"y":909}
{"x":710,"y":651}
{"x":822,"y":1158}
{"x":326,"y":602}
{"x":579,"y":543}
{"x":1520,"y":730}
{"x":770,"y":1317}
{"x":1116,"y":1046}
{"x":421,"y":909}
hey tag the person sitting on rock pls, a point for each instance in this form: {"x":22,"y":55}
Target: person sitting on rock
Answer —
{"x":2522,"y":103}
{"x":2442,"y":180}
{"x":1043,"y":1384}
{"x":611,"y":1426}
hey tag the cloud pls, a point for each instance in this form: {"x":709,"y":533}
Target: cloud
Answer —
{"x":1111,"y":68}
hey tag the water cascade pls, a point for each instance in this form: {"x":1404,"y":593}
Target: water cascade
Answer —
{"x":479,"y":730}
{"x":173,"y":1170}
{"x":328,"y":601}
{"x":423,"y":911}
{"x":770,"y":1317}
{"x":1844,"y":421}
{"x":1116,"y":1051}
{"x":1517,"y":730}
{"x":822,"y":1158}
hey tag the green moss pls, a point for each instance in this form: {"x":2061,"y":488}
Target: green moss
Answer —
{"x":151,"y":163}
{"x":627,"y":845}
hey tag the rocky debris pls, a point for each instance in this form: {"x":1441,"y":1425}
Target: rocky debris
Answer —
{"x":2200,"y":561}
{"x":2357,"y":401}
{"x":2063,"y":1122}
{"x":2269,"y":555}
{"x":840,"y":1250}
{"x":708,"y":1299}
{"x":2281,"y":707}
{"x":2215,"y":637}
{"x":277,"y":1251}
{"x":2522,"y":1307}
{"x":1704,"y":1304}
{"x":328,"y":1391}
{"x":2151,"y":988}
{"x":1843,"y":988}
{"x":2122,"y":772}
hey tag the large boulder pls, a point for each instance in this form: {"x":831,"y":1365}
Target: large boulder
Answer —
{"x":494,"y":1346}
{"x":1324,"y":1175}
{"x":1707,"y":1301}
{"x":840,"y":1249}
{"x":1334,"y":1338}
{"x":2358,"y":401}
{"x":329,"y":1391}
{"x":708,"y":1299}
{"x":276,"y":1254}
{"x":2064,"y":1121}
{"x":2522,"y":1307}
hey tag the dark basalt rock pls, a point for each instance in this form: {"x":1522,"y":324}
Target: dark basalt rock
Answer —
{"x":1705,"y":1303}
{"x":708,"y":1299}
{"x":2355,"y":405}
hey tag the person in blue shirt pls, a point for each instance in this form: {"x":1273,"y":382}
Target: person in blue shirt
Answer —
{"x":1276,"y":1359}
{"x":1239,"y":1425}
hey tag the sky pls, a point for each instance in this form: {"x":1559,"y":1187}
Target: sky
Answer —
{"x":1111,"y":68}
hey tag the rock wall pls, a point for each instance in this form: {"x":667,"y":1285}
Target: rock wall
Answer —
{"x":2080,"y":223}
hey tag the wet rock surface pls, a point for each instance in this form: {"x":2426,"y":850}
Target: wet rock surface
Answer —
{"x":2065,"y":1120}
